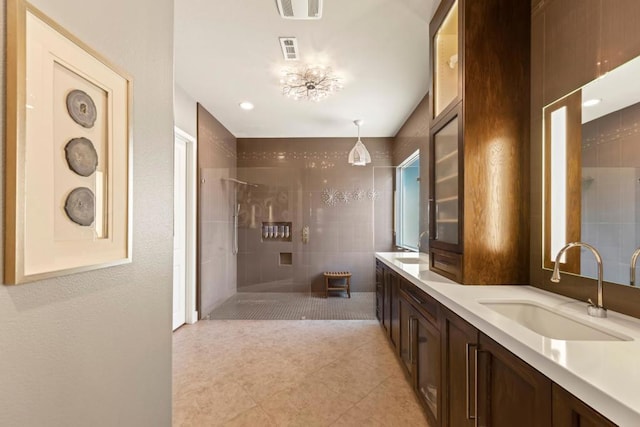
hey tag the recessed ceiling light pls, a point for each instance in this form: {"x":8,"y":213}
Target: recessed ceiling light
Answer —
{"x":246,"y":105}
{"x":591,"y":102}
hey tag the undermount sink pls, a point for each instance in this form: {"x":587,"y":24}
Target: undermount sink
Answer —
{"x":550,"y":324}
{"x":412,"y":260}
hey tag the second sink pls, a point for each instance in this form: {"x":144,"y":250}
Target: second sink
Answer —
{"x":550,"y":324}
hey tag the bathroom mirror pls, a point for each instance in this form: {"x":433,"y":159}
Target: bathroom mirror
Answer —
{"x":591,"y":174}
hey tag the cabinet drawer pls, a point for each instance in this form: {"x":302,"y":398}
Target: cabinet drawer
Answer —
{"x":422,"y":301}
{"x":447,"y":264}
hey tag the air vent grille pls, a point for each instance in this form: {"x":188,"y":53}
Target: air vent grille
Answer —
{"x":287,"y":8}
{"x":300,"y":9}
{"x":289,"y":47}
{"x":314,"y":8}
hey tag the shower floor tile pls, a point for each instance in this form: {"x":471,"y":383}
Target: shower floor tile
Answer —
{"x":296,"y":306}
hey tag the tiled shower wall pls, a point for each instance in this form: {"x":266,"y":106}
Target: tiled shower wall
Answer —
{"x":308,"y":182}
{"x":611,"y":191}
{"x":216,"y":265}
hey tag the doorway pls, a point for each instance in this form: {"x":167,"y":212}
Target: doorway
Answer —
{"x":184,"y":231}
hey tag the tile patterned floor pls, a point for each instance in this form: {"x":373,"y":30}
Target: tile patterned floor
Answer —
{"x":289,"y":373}
{"x":296,"y":306}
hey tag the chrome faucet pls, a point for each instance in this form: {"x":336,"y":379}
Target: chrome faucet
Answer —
{"x":634,"y":261}
{"x":420,"y":238}
{"x":593,"y":309}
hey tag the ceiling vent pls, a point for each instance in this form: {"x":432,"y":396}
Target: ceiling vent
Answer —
{"x":300,"y":9}
{"x":289,"y":47}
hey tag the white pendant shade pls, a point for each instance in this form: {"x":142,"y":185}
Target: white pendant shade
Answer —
{"x":359,"y":156}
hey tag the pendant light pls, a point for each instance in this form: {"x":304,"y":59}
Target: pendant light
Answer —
{"x":359,"y":156}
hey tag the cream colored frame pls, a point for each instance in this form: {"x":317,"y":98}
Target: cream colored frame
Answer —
{"x":88,"y":254}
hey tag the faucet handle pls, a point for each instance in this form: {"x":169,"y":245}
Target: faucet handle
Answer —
{"x":595,"y":311}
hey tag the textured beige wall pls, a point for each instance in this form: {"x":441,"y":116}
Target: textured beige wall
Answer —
{"x":94,"y":349}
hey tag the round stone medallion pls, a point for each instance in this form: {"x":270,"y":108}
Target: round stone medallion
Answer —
{"x":81,"y":108}
{"x":82,"y":157}
{"x":80,"y":206}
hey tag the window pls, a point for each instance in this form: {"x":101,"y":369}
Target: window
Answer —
{"x":407,"y":202}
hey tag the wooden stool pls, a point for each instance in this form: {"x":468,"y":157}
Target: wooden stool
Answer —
{"x":339,"y":275}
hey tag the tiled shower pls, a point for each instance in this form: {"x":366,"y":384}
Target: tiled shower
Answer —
{"x":336,"y":215}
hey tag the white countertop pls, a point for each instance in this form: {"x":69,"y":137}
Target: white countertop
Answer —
{"x":603,"y":374}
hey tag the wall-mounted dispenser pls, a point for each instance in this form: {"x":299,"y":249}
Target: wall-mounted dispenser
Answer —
{"x":276,"y":231}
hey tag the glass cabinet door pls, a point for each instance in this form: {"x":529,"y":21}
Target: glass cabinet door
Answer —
{"x":445,"y":61}
{"x":446,"y":183}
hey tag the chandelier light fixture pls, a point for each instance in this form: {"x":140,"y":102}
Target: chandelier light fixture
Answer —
{"x":359,"y":156}
{"x":313,"y":83}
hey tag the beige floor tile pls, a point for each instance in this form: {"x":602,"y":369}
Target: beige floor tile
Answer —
{"x":309,"y":400}
{"x":350,"y":378}
{"x":254,"y":417}
{"x":356,"y":416}
{"x":289,"y":373}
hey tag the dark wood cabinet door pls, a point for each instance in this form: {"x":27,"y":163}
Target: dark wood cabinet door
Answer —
{"x":569,"y":411}
{"x":386,"y":301}
{"x":406,"y":337}
{"x":459,"y":339}
{"x":379,"y":289}
{"x":394,"y":309}
{"x":510,"y":392}
{"x":427,"y":367}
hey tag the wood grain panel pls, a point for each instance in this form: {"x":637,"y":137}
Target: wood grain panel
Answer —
{"x":511,"y":392}
{"x":496,"y":141}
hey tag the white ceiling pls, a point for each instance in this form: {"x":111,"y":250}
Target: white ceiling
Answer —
{"x":227,"y":51}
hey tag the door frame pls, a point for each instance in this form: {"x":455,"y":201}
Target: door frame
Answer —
{"x":191,"y":311}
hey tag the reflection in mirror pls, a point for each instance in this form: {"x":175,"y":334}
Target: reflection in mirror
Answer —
{"x":592,"y":173}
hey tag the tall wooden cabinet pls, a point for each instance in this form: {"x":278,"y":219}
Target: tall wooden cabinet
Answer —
{"x":479,"y":141}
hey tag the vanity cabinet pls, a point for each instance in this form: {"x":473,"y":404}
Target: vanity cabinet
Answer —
{"x":394,"y":308}
{"x":387,"y":283}
{"x":459,"y":339}
{"x":379,"y":289}
{"x":420,"y":348}
{"x":484,"y":380}
{"x":463,"y":378}
{"x":479,"y":141}
{"x":569,"y":411}
{"x":510,"y":392}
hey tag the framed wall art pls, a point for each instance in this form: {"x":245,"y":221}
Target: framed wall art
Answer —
{"x":68,"y":153}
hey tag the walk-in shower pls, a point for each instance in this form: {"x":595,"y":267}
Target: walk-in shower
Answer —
{"x":236,"y":211}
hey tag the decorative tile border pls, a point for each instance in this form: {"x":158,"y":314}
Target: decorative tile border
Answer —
{"x":333,"y":197}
